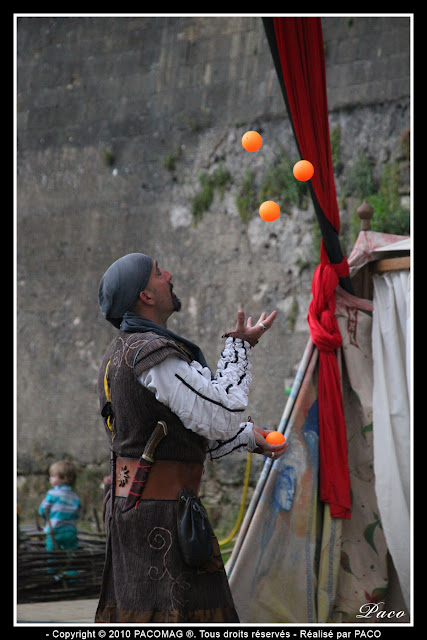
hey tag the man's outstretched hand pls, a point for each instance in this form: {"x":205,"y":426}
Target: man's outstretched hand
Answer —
{"x":250,"y":332}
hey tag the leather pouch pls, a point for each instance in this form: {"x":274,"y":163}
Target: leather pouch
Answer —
{"x":194,"y":530}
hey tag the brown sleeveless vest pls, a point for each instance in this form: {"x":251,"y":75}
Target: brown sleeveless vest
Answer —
{"x":135,"y":410}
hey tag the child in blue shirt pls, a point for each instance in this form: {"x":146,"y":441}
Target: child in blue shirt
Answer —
{"x":62,"y":506}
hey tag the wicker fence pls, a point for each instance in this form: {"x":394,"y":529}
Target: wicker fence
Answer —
{"x":44,"y":576}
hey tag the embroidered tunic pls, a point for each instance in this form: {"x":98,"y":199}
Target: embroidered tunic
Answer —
{"x":152,"y":378}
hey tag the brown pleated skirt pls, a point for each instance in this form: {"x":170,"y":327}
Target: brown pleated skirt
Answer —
{"x":145,"y":578}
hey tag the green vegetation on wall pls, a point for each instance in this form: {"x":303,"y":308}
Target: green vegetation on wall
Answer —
{"x":278,"y":184}
{"x":208,"y":183}
{"x":390,"y":216}
{"x":246,"y":199}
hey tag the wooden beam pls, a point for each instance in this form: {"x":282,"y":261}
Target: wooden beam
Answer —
{"x":392,"y":264}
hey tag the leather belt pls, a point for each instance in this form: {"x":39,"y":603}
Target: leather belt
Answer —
{"x":165,"y":479}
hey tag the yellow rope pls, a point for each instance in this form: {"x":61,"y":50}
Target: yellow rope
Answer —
{"x":107,"y":393}
{"x":242,"y":504}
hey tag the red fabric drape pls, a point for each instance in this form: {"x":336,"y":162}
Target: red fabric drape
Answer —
{"x":300,"y":47}
{"x":334,"y":475}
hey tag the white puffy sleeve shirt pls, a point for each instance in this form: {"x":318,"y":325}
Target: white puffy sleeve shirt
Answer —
{"x":211,"y":407}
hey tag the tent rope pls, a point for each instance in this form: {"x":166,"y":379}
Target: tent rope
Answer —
{"x":242,"y":504}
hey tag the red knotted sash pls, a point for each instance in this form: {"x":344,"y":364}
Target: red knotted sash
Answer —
{"x":334,"y":475}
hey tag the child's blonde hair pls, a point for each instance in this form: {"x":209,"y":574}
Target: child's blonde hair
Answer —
{"x":65,"y":470}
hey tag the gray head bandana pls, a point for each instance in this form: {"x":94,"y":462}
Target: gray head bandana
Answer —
{"x":121,"y":285}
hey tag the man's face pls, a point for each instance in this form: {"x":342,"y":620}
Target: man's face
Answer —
{"x":161,"y":288}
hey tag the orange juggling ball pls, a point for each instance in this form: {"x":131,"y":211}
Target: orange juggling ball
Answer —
{"x":303,"y":170}
{"x":269,"y":211}
{"x":275,"y":437}
{"x":251,"y":141}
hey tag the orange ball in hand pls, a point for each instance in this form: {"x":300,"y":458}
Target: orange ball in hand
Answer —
{"x":303,"y":170}
{"x":269,"y":211}
{"x":251,"y":141}
{"x":275,"y":437}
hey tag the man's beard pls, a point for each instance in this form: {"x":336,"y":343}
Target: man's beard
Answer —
{"x":175,"y":300}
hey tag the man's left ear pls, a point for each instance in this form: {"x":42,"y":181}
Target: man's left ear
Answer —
{"x":145,"y":298}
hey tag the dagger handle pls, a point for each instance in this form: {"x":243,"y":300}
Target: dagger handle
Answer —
{"x":158,"y":434}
